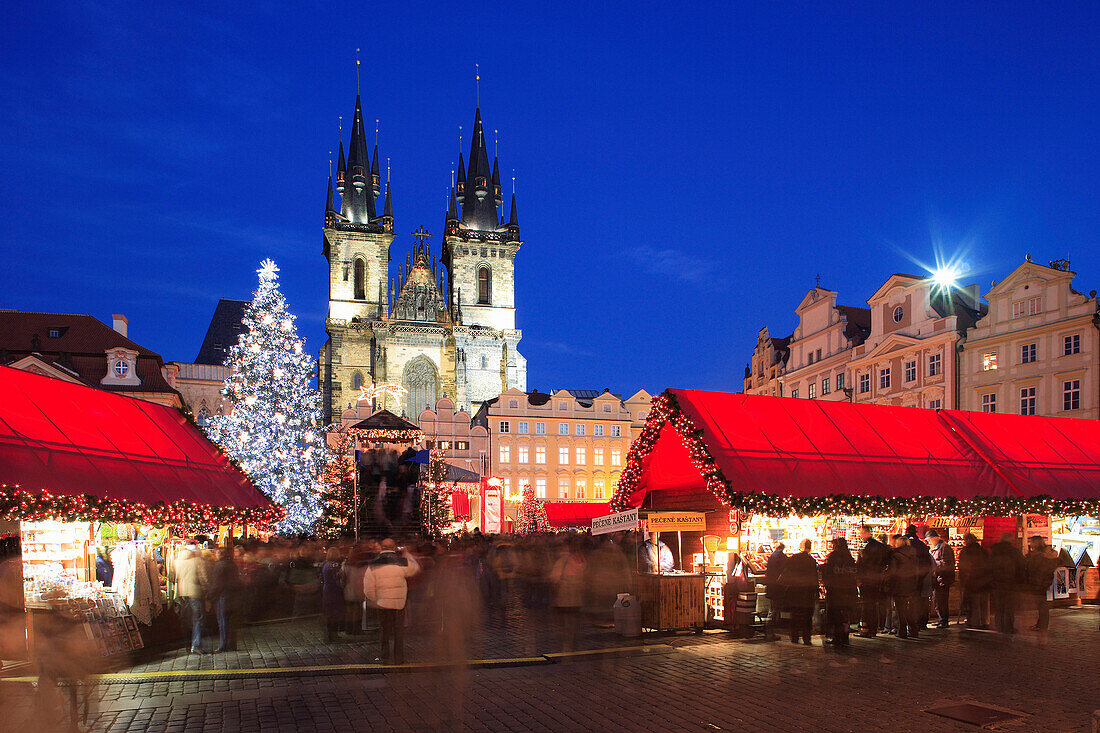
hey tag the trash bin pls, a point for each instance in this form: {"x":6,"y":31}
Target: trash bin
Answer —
{"x":628,"y":615}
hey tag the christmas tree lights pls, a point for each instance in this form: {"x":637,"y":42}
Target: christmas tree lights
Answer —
{"x":273,"y":429}
{"x":338,"y":485}
{"x":531,"y":514}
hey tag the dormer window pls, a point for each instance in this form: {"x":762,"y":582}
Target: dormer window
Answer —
{"x":54,"y":333}
{"x":899,"y":312}
{"x":121,"y":368}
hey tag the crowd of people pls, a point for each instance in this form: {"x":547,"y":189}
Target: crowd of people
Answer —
{"x":375,"y":589}
{"x":901,"y":584}
{"x":378,"y":588}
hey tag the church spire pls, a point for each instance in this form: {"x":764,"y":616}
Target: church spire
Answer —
{"x":358,"y":198}
{"x":513,"y":220}
{"x":478,"y":196}
{"x":341,"y":171}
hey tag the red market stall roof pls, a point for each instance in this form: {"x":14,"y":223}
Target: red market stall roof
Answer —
{"x":776,"y":455}
{"x":70,"y":449}
{"x":574,"y":513}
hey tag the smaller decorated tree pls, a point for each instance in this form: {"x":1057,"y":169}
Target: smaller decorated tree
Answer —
{"x":435,"y":507}
{"x":531,"y":516}
{"x":338,"y":488}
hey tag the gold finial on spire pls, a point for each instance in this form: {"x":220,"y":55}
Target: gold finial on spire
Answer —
{"x":452,"y":174}
{"x":357,"y":71}
{"x":477,"y":82}
{"x":330,"y":164}
{"x":496,"y":144}
{"x":387,"y":171}
{"x":377,"y":127}
{"x":513,"y":181}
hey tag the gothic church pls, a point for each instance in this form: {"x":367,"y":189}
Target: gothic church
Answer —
{"x":441,"y":327}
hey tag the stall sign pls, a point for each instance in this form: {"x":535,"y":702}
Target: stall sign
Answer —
{"x":677,"y":521}
{"x":492,"y":511}
{"x":1037,"y":524}
{"x":615,"y":522}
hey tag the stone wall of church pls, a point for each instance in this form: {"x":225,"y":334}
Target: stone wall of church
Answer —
{"x":344,"y":249}
{"x":467,"y":259}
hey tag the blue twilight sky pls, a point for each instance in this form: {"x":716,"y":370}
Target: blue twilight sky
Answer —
{"x":683,"y":171}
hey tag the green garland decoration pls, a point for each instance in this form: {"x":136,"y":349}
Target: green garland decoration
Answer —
{"x":21,"y":505}
{"x":666,"y":409}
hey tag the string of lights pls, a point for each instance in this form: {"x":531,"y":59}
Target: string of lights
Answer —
{"x":666,"y":410}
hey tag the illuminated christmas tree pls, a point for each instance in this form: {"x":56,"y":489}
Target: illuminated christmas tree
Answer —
{"x":338,"y":485}
{"x":531,"y":515}
{"x":273,"y":429}
{"x":435,"y":509}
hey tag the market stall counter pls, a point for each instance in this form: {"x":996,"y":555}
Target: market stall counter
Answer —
{"x":672,"y":601}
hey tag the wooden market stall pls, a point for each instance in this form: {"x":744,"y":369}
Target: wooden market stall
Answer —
{"x":741,"y":457}
{"x":75,"y":461}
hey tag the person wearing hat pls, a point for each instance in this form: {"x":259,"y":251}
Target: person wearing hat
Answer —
{"x":943,"y":576}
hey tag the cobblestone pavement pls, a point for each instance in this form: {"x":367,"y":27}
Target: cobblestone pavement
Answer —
{"x":696,"y":683}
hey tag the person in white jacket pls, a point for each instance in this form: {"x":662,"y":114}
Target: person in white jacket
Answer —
{"x":385,"y":585}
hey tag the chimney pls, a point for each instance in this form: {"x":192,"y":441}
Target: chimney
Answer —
{"x":120,"y":323}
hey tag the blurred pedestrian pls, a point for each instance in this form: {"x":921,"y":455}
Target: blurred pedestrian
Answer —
{"x":1039,"y":568}
{"x":976,"y":578}
{"x":925,"y":573}
{"x":800,"y":592}
{"x":191,"y":579}
{"x":385,"y":585}
{"x":224,"y":593}
{"x":943,"y":576}
{"x":567,"y":579}
{"x":773,"y":590}
{"x":1007,"y":570}
{"x":354,"y":566}
{"x":873,"y":563}
{"x":332,"y":593}
{"x":905,"y":580}
{"x":840,"y":578}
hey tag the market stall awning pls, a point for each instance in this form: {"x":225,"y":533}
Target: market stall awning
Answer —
{"x":776,"y":454}
{"x":574,"y":513}
{"x":385,"y":427}
{"x":70,"y":440}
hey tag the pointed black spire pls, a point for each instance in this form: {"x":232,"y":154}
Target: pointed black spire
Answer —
{"x":452,"y":207}
{"x":358,"y":199}
{"x":498,"y":199}
{"x":513,"y":220}
{"x":478,"y":207}
{"x":341,"y":171}
{"x":387,"y":208}
{"x":460,"y":186}
{"x":376,"y":179}
{"x":330,"y":205}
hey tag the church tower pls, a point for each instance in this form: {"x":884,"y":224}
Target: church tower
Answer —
{"x":479,"y":252}
{"x":356,"y":244}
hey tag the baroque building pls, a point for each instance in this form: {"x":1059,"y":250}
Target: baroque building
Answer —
{"x":84,"y":350}
{"x":443,"y":326}
{"x":1036,"y":351}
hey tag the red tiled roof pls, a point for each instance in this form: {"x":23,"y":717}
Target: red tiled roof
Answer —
{"x":80,"y":347}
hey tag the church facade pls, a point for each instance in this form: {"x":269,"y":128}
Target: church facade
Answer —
{"x":444,"y":325}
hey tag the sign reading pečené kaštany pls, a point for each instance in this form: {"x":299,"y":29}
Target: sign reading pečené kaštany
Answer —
{"x":676,"y":522}
{"x":615,"y":522}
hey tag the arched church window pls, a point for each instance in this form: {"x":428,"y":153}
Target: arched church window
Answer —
{"x":483,"y":285}
{"x":422,"y":384}
{"x":204,"y":416}
{"x":356,"y":380}
{"x":360,"y":279}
